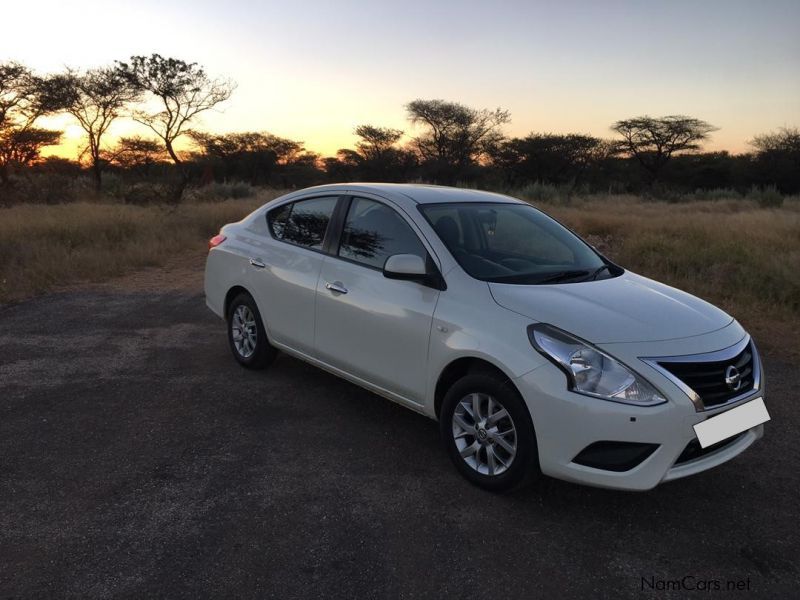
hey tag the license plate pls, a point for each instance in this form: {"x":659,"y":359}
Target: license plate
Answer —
{"x":731,"y":422}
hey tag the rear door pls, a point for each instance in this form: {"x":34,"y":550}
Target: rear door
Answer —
{"x":372,"y":327}
{"x":287,"y":267}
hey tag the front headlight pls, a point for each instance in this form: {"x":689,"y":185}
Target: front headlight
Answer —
{"x":591,"y":371}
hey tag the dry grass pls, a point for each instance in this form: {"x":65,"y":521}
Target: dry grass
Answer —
{"x":42,"y":247}
{"x":741,"y":257}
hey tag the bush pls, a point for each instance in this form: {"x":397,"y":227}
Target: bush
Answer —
{"x":114,"y":185}
{"x":768,"y":197}
{"x":47,"y":188}
{"x":216,"y":192}
{"x":540,"y":192}
{"x":715,"y":194}
{"x":142,"y":194}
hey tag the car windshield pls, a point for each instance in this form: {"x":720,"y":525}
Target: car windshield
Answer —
{"x":514,"y":243}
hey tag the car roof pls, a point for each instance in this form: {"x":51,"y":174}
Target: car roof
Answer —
{"x":417,"y":192}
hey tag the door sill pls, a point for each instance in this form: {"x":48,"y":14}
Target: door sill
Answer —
{"x":363,"y":383}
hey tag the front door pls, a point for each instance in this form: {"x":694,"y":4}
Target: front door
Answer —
{"x":372,"y":327}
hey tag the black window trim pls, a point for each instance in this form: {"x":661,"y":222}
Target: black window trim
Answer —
{"x":334,"y":240}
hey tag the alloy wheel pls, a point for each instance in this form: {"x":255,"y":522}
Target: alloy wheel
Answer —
{"x":484,"y":434}
{"x":244,"y":331}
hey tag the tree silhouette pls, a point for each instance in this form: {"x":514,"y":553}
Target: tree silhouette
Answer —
{"x":375,"y":158}
{"x":23,"y":99}
{"x":786,"y":139}
{"x":777,"y":159}
{"x":19,"y":96}
{"x":21,"y":147}
{"x":547,"y":157}
{"x":182,"y":89}
{"x":95,"y":99}
{"x":231,"y":145}
{"x":250,"y":155}
{"x":136,"y":153}
{"x":376,"y":142}
{"x":653,"y":141}
{"x":454,"y":135}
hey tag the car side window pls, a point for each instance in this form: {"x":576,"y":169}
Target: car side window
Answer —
{"x":303,"y":222}
{"x":373,"y":232}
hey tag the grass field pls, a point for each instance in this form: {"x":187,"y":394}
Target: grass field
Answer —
{"x":42,"y":246}
{"x":744,"y":258}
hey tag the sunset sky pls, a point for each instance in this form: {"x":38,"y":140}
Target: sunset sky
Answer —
{"x":314,"y":70}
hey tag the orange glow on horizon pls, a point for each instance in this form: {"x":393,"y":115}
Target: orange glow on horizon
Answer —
{"x":73,"y":140}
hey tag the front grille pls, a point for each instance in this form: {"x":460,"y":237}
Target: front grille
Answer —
{"x":708,"y":378}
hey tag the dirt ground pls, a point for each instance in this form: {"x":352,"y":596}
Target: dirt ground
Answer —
{"x":138,"y":459}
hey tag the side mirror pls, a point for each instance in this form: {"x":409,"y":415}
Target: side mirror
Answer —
{"x":405,"y":266}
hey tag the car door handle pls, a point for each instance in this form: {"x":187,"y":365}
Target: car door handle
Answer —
{"x":336,"y":287}
{"x":257,"y":263}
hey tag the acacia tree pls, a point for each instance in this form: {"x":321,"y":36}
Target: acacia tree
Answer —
{"x":455,"y":136}
{"x":376,"y":156}
{"x":653,"y":140}
{"x":23,"y":99}
{"x":136,"y":153}
{"x":181,"y":91}
{"x":376,"y":142}
{"x":777,"y":159}
{"x":17,"y":93}
{"x":21,"y":147}
{"x":785,"y":139}
{"x":95,"y":99}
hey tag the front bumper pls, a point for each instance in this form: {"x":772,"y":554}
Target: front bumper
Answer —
{"x":567,"y":423}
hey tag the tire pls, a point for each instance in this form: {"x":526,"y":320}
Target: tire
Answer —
{"x":251,"y":349}
{"x":503,"y":471}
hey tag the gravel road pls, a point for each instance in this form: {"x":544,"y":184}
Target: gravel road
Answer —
{"x":138,"y":459}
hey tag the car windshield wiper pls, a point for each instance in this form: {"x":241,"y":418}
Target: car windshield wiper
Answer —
{"x":562,"y":276}
{"x":597,"y":272}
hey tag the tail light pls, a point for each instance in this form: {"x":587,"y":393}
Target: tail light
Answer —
{"x":216,"y":241}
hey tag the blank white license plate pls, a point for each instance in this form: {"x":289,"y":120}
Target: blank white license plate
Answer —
{"x":731,"y":422}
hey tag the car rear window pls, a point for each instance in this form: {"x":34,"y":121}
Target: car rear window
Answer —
{"x":303,"y":222}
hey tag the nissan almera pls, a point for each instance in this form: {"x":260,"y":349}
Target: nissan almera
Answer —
{"x":535,"y":353}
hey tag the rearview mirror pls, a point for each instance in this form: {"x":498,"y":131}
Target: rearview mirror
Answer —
{"x":404,"y":266}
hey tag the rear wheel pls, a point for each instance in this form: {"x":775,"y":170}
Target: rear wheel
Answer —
{"x":488,"y":433}
{"x":246,"y":334}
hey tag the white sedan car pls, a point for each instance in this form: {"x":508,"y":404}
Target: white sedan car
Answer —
{"x":536,"y":354}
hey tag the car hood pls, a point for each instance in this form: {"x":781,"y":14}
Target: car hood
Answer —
{"x":627,"y":308}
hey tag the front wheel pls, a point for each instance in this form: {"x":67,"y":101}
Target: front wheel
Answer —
{"x":488,"y":433}
{"x":246,"y":334}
